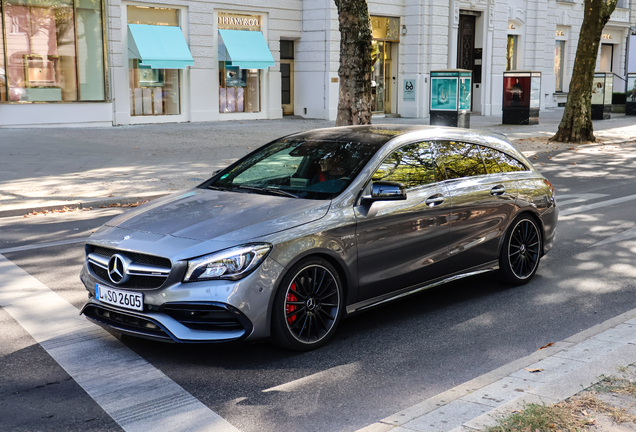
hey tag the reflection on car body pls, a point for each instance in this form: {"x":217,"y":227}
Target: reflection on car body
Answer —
{"x":316,"y":226}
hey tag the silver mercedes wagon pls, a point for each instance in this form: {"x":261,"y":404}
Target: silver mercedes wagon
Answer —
{"x":317,"y":226}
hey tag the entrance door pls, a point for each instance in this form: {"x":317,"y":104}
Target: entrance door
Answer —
{"x":466,"y":46}
{"x":287,"y":86}
{"x":381,"y":79}
{"x":607,"y":57}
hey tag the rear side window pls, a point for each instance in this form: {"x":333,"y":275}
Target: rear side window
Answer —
{"x":460,"y":159}
{"x":510,"y":164}
{"x":491,"y":159}
{"x":411,"y":165}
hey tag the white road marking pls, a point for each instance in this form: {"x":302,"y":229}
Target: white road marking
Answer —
{"x":575,"y":198}
{"x":43,"y":245}
{"x":625,"y":235}
{"x":584,"y":208}
{"x":138,"y":396}
{"x":338,"y":373}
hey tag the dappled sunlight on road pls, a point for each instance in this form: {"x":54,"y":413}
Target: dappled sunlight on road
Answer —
{"x":113,"y":182}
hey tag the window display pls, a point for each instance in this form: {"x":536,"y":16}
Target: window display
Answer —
{"x":559,"y":51}
{"x":239,"y":89}
{"x":54,"y":51}
{"x":153,"y":91}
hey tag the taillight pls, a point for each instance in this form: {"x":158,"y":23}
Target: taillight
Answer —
{"x":547,"y":182}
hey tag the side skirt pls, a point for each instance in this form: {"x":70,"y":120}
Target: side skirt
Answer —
{"x":386,"y":298}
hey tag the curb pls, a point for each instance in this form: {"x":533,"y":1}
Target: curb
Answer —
{"x":84,"y":204}
{"x":589,"y":376}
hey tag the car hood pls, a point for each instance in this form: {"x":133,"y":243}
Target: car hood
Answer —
{"x":201,"y":214}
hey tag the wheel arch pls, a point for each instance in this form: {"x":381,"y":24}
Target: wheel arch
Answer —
{"x":336,"y":262}
{"x":536,"y":217}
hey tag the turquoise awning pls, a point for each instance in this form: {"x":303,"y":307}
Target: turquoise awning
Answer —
{"x":158,"y":47}
{"x":247,"y":49}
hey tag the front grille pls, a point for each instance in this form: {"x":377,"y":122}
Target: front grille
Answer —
{"x":124,"y":321}
{"x":141,"y":282}
{"x":205,"y":317}
{"x":135,"y":281}
{"x":136,"y":257}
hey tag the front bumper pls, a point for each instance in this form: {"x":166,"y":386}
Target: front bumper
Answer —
{"x":193,"y":312}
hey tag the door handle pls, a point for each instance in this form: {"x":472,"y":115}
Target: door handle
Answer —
{"x":435,"y":200}
{"x":498,"y":190}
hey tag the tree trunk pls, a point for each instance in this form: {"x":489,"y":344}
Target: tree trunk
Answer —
{"x":576,"y":124}
{"x":354,"y":102}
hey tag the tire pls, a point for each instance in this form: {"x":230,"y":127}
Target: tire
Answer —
{"x":521,"y":251}
{"x":308,"y":306}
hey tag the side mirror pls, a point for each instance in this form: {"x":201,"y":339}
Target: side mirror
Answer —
{"x":385,"y":191}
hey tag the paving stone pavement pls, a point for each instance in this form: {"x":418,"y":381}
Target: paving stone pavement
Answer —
{"x":547,"y":376}
{"x":82,"y":167}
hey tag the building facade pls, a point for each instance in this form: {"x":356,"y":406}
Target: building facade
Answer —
{"x":116,"y":62}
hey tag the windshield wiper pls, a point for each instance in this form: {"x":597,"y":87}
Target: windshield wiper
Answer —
{"x":270,"y":191}
{"x":220,"y":188}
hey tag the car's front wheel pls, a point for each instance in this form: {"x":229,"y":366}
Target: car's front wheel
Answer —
{"x":521,"y":251}
{"x":308,"y":306}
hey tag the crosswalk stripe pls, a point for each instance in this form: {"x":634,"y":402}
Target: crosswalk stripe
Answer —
{"x":138,"y":396}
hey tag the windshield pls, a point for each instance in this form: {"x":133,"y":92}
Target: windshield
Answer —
{"x":297,"y":168}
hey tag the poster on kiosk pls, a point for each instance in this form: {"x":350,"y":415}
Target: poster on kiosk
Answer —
{"x":630,"y":103}
{"x":522,"y":97}
{"x":451,"y":94}
{"x":602,"y":89}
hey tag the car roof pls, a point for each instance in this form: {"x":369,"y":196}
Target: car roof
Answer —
{"x":369,"y":134}
{"x":378,"y":135}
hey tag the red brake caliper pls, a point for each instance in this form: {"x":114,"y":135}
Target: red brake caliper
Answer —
{"x":289,"y":308}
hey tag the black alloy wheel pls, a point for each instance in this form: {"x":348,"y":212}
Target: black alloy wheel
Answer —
{"x":308,"y":306}
{"x":521,"y":251}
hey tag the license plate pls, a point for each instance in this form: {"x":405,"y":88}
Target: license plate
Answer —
{"x":115,"y":297}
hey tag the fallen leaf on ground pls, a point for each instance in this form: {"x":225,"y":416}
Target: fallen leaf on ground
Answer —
{"x":111,"y":195}
{"x":573,"y":163}
{"x":548,"y":345}
{"x":533,"y":370}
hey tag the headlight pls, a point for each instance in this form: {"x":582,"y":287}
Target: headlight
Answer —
{"x":233,"y":263}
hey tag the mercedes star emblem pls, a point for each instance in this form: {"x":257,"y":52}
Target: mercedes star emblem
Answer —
{"x":117,"y":269}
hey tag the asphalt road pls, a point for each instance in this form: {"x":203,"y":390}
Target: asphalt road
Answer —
{"x":379,"y":362}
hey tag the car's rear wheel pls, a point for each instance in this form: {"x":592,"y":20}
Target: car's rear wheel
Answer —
{"x":308,"y":306}
{"x":521,"y":251}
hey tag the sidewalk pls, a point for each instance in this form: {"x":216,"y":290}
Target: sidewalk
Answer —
{"x":52,"y":168}
{"x":547,"y":376}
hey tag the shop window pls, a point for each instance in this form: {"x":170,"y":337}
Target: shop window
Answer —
{"x":239,"y":89}
{"x":3,"y":73}
{"x":511,"y":52}
{"x":153,"y":92}
{"x":54,"y":51}
{"x":559,"y":52}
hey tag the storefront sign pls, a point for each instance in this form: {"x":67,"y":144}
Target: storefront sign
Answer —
{"x":239,"y":22}
{"x":607,"y":36}
{"x":409,"y":90}
{"x":385,"y":28}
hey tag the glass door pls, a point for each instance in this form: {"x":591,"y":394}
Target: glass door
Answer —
{"x":377,"y":76}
